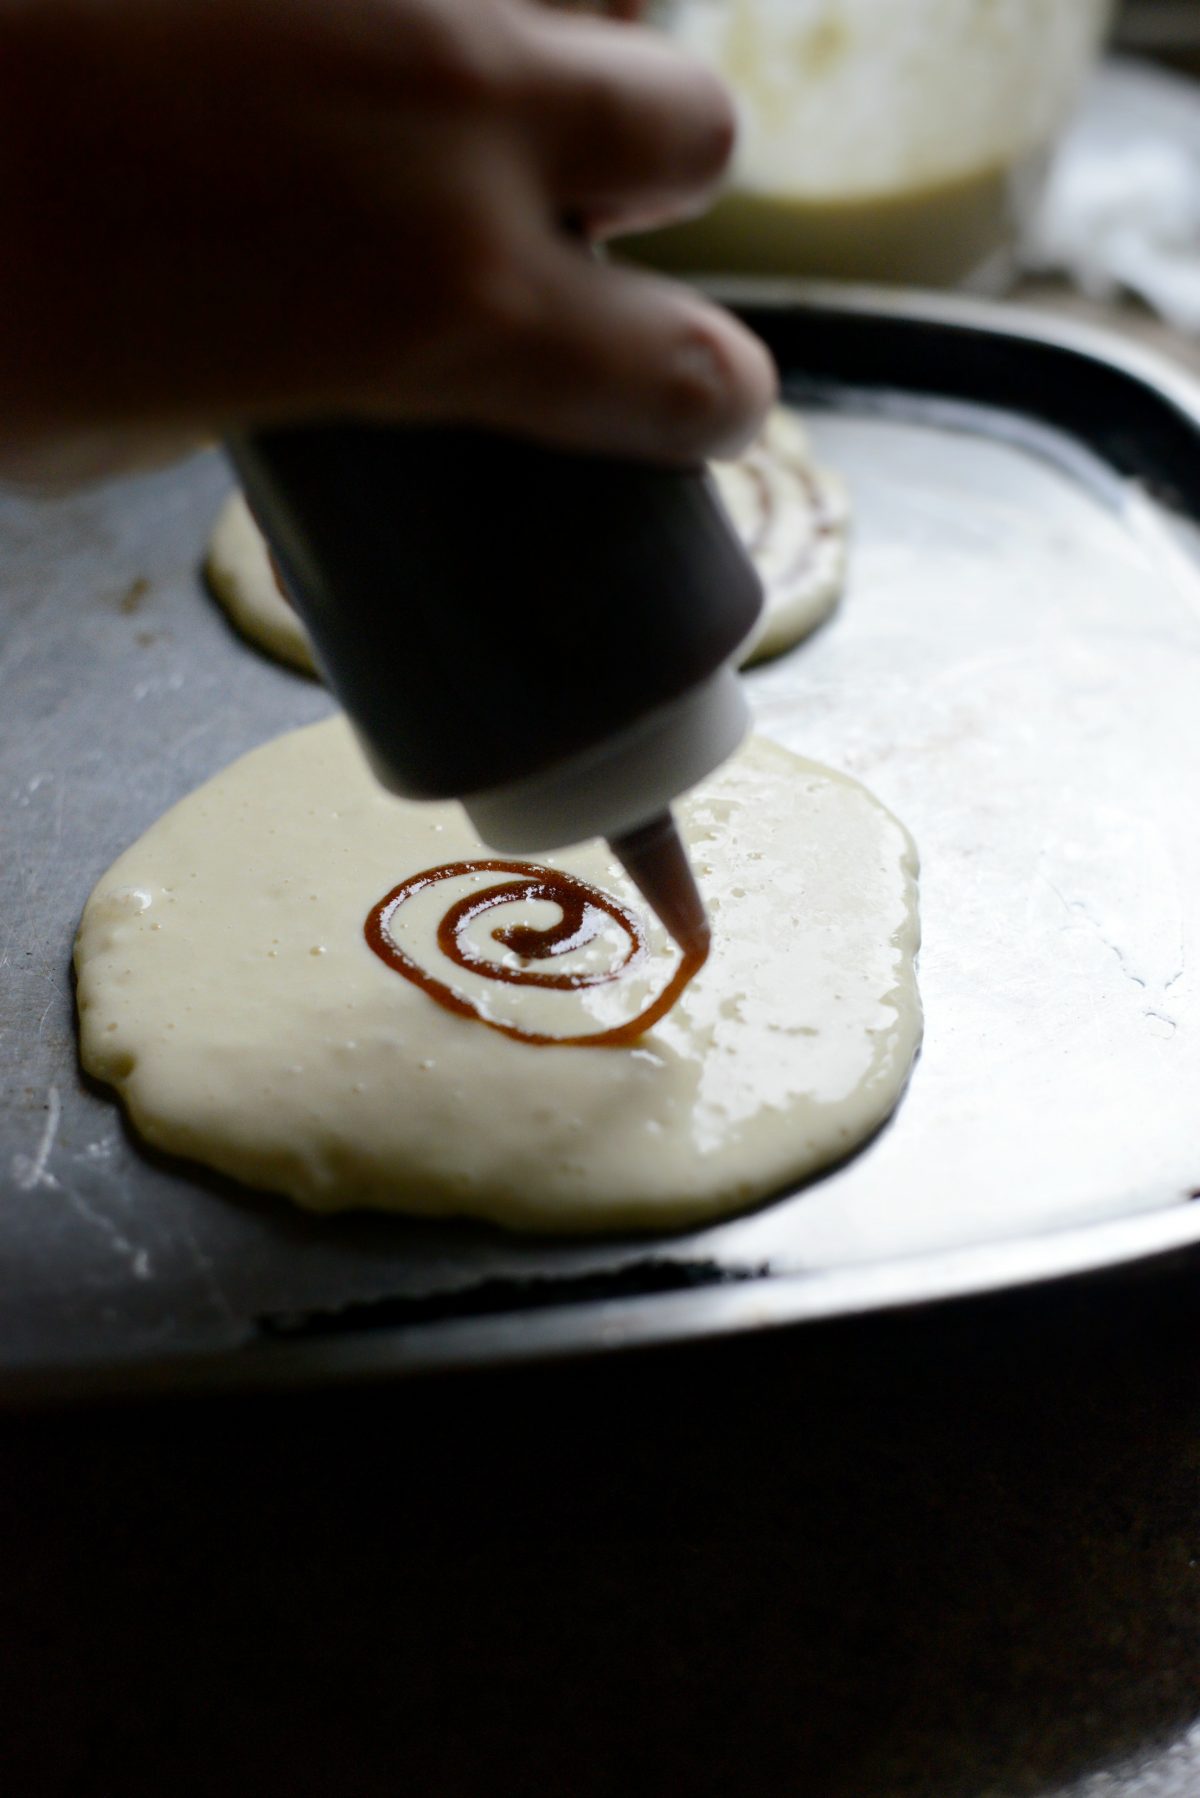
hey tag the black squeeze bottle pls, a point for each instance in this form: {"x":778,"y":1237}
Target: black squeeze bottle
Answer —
{"x":546,"y":636}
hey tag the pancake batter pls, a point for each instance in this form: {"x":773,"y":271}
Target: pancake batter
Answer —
{"x":229,"y":990}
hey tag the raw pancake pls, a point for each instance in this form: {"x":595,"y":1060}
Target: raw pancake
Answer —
{"x":240,"y":574}
{"x":792,"y":516}
{"x":227,"y":991}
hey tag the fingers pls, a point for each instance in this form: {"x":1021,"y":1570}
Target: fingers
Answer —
{"x":613,"y":9}
{"x":632,"y":132}
{"x":624,"y":363}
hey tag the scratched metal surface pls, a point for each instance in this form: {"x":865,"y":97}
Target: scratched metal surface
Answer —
{"x":1015,"y":670}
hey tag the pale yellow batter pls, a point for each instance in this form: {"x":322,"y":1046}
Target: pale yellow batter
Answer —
{"x":240,"y":574}
{"x":226,"y":990}
{"x":793,"y":518}
{"x":791,"y":514}
{"x":879,"y":140}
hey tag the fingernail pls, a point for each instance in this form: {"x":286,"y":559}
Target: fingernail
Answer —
{"x":725,"y":384}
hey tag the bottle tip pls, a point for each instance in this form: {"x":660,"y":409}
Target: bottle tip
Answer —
{"x":656,"y":861}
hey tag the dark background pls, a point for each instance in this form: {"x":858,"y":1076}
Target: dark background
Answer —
{"x":1169,"y":29}
{"x":942,"y":1553}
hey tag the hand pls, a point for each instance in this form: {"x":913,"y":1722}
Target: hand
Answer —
{"x":222,"y":212}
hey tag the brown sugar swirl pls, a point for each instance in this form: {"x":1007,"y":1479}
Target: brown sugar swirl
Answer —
{"x":806,"y":496}
{"x":584,"y":912}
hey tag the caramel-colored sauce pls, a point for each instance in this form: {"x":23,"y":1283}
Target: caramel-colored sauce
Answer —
{"x":768,"y":513}
{"x":584,"y":909}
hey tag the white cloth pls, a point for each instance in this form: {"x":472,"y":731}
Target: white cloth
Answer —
{"x":1121,"y":210}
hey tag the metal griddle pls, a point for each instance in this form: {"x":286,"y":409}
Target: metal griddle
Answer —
{"x":1015,"y":669}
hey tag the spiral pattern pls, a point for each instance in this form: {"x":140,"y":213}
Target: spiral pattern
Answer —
{"x":781,"y":505}
{"x":584,"y":911}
